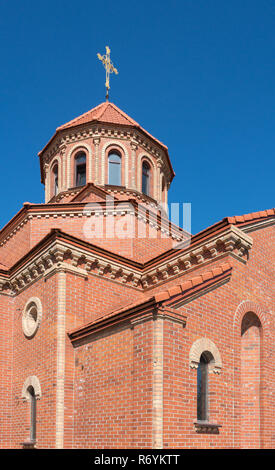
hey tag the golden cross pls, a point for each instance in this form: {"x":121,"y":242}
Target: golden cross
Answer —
{"x":107,"y":64}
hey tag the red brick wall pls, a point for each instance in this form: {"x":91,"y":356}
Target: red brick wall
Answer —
{"x":113,"y":390}
{"x":6,"y":341}
{"x":16,"y":246}
{"x":214,"y":316}
{"x":36,"y":356}
{"x":108,"y":378}
{"x":251,"y":383}
{"x":140,"y":248}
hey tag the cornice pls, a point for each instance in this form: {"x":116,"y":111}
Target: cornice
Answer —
{"x":79,"y":210}
{"x":61,"y":251}
{"x":253,"y":226}
{"x":148,"y":310}
{"x":162,"y":305}
{"x":232,"y":241}
{"x":98,"y":130}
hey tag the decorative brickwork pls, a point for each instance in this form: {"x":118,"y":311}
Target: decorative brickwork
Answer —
{"x":114,"y":326}
{"x":32,"y":316}
{"x":203,"y":345}
{"x":31,"y":381}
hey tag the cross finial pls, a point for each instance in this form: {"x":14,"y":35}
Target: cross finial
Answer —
{"x":107,"y":64}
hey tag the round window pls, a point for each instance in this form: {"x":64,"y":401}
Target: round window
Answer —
{"x":31,"y":318}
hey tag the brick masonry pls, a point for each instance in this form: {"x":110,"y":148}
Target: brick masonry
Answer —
{"x":124,"y":321}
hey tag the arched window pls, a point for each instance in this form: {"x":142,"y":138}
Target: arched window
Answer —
{"x":114,"y":164}
{"x":80,"y":169}
{"x":202,"y":388}
{"x":32,"y":398}
{"x":146,"y":173}
{"x":55,"y":179}
{"x":250,"y":383}
{"x":163,"y":189}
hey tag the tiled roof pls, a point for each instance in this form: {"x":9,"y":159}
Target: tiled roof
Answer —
{"x":109,"y":113}
{"x":193,"y":282}
{"x":252,"y":216}
{"x":104,"y":112}
{"x":186,"y":288}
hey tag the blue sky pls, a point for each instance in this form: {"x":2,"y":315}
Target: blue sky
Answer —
{"x":197,"y":74}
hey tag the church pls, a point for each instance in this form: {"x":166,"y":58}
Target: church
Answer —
{"x":118,"y":329}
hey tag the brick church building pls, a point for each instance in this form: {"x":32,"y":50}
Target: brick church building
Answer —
{"x":117,"y":328}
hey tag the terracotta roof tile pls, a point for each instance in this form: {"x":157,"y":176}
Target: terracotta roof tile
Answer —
{"x":174,"y":290}
{"x":163,"y":295}
{"x":217,"y":271}
{"x":226,"y":266}
{"x":196,"y":280}
{"x":239,"y":219}
{"x":206,"y":276}
{"x":106,"y":112}
{"x":160,"y":296}
{"x":248,"y":217}
{"x":186,"y":285}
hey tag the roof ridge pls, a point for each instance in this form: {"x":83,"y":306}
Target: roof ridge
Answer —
{"x":193,"y":281}
{"x":251,"y":216}
{"x":104,"y":107}
{"x":125,"y":115}
{"x":72,"y":121}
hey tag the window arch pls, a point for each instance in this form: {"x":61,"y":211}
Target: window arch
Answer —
{"x":31,"y":392}
{"x":202,"y":386}
{"x":163,"y":190}
{"x":205,"y":357}
{"x":250,"y":383}
{"x":114,"y":168}
{"x":146,"y":178}
{"x":205,"y":345}
{"x":32,"y":399}
{"x":55,"y":179}
{"x":80,"y":169}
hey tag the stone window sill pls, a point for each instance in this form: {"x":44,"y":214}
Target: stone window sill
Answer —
{"x":29,"y":445}
{"x":205,"y":427}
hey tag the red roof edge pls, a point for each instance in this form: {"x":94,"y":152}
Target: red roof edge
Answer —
{"x":184,"y":290}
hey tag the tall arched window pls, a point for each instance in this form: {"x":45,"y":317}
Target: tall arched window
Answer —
{"x":80,"y":169}
{"x":163,"y":195}
{"x":114,"y":167}
{"x":32,"y":397}
{"x":146,"y":173}
{"x":55,"y":179}
{"x":250,"y":384}
{"x":202,"y":388}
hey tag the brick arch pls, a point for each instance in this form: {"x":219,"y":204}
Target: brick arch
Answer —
{"x":143,"y":155}
{"x":250,"y":327}
{"x":104,"y":159}
{"x":56,"y":160}
{"x":31,"y":381}
{"x":78,"y":147}
{"x":249,"y":306}
{"x":205,"y":345}
{"x":262,"y":341}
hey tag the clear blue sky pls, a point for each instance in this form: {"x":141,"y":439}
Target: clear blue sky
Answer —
{"x":197,"y":74}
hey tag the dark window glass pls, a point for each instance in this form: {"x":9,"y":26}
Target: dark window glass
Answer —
{"x":55,"y":180}
{"x":80,"y":169}
{"x":202,"y":389}
{"x":114,"y":161}
{"x":146,"y":178}
{"x":33,"y":414}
